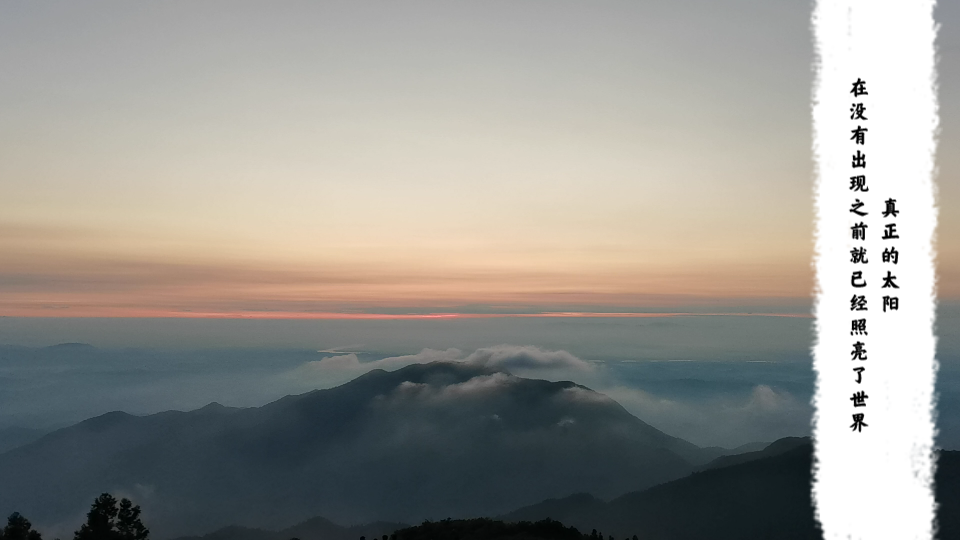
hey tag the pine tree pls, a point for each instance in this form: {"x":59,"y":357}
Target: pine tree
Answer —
{"x":107,"y":521}
{"x":129,"y":526}
{"x":18,"y":528}
{"x":100,"y":520}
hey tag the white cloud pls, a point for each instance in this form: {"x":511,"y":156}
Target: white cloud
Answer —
{"x":342,"y":362}
{"x":333,"y":370}
{"x":425,"y":356}
{"x":520,"y":360}
{"x":764,"y":415}
{"x":434,"y":395}
{"x":512,"y":357}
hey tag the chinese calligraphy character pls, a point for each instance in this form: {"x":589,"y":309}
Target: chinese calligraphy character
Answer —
{"x":858,"y":303}
{"x":858,"y":422}
{"x":859,"y":399}
{"x":891,"y":209}
{"x":856,"y":111}
{"x":859,"y":183}
{"x":858,"y":134}
{"x":859,"y":160}
{"x":858,"y":327}
{"x":859,"y":351}
{"x":890,"y":231}
{"x":892,"y":302}
{"x":859,"y":231}
{"x":891,"y":255}
{"x":889,"y":281}
{"x":855,"y":208}
{"x":859,"y":371}
{"x":858,"y":255}
{"x":859,"y":88}
{"x":856,"y":279}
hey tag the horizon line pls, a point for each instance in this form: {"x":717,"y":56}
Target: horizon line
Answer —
{"x":289,"y":315}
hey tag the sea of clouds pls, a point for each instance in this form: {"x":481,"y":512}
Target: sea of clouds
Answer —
{"x":715,"y":381}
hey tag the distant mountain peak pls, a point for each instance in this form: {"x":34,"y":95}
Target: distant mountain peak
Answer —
{"x":780,"y":446}
{"x":214,"y":407}
{"x":71,"y":346}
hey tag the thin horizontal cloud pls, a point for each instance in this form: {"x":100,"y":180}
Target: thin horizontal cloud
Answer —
{"x":51,"y":268}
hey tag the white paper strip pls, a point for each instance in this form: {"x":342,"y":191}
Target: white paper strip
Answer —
{"x":875,"y":482}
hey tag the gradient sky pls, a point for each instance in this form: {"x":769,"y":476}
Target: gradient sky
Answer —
{"x":226,"y":157}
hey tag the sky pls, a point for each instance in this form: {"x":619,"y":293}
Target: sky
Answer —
{"x":294,"y":159}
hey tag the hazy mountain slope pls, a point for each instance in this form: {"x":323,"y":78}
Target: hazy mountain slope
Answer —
{"x":323,"y":529}
{"x":427,"y":441}
{"x":563,"y":510}
{"x":583,"y":504}
{"x":766,"y":497}
{"x":773,"y":449}
{"x":12,"y":437}
{"x":763,"y":498}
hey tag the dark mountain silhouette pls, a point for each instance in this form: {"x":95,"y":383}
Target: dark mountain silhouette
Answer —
{"x":472,"y":529}
{"x":320,"y":528}
{"x":773,"y":449}
{"x":488,"y":529}
{"x":424,"y":442}
{"x":743,"y":448}
{"x":766,"y":496}
{"x":235,"y":532}
{"x":317,"y":528}
{"x":564,"y":509}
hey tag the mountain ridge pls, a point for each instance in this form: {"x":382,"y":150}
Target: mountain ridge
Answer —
{"x":425,"y":441}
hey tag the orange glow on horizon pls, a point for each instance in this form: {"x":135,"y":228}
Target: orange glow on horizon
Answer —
{"x":291,"y":315}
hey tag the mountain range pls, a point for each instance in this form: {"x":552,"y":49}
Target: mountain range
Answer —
{"x":760,"y":495}
{"x":757,"y":496}
{"x":428,"y":441}
{"x":447,"y":439}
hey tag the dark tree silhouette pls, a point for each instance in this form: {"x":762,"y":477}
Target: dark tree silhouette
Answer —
{"x":108,"y":521}
{"x":129,"y":526}
{"x":100,"y":520}
{"x":18,"y":528}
